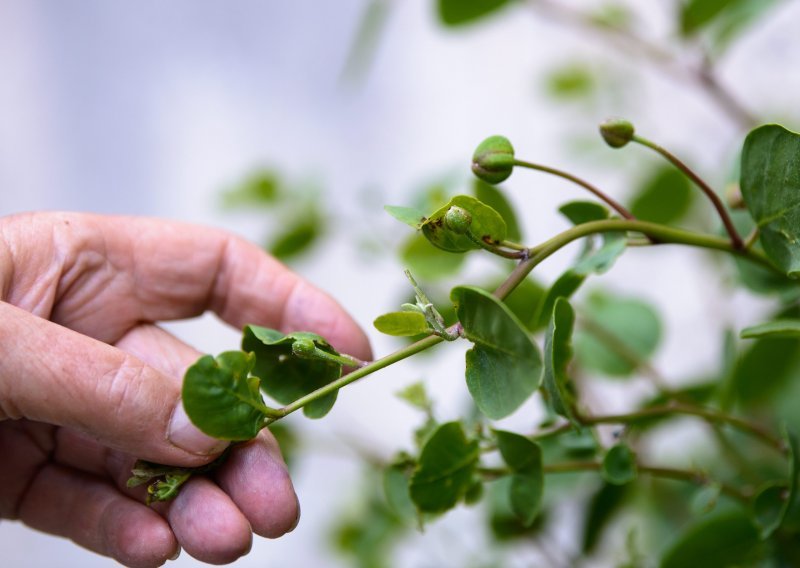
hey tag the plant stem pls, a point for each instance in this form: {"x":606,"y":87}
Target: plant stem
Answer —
{"x":361,"y":372}
{"x":696,"y":477}
{"x":662,"y":233}
{"x":611,"y":202}
{"x":710,"y":415}
{"x":736,"y":240}
{"x":495,"y":249}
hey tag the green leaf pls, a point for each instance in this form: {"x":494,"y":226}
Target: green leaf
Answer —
{"x":398,"y":498}
{"x":767,"y":368}
{"x":723,"y":540}
{"x":664,"y":198}
{"x":487,"y":224}
{"x":705,"y":499}
{"x":495,"y":199}
{"x":769,"y":507}
{"x":504,"y":523}
{"x":619,"y":465}
{"x":504,"y":367}
{"x":524,"y":302}
{"x":428,"y":262}
{"x":776,"y":328}
{"x":770,"y":183}
{"x":460,"y":12}
{"x":524,"y":457}
{"x":285,"y":377}
{"x":571,"y":81}
{"x":408,"y":215}
{"x":403,"y":324}
{"x":564,"y":287}
{"x":604,"y":504}
{"x":446,"y":466}
{"x":221,"y":398}
{"x":557,"y":356}
{"x":260,"y":189}
{"x":416,"y":395}
{"x":298,"y":237}
{"x":579,"y":212}
{"x":616,"y":334}
{"x":756,"y":277}
{"x":725,"y":17}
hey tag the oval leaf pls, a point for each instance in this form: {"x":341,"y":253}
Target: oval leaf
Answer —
{"x":408,"y":215}
{"x":460,"y":12}
{"x":770,"y":183}
{"x":445,"y":469}
{"x":495,"y":199}
{"x":616,"y":335}
{"x":665,"y":197}
{"x":220,"y":397}
{"x":557,"y":356}
{"x":486,"y":224}
{"x":777,"y":328}
{"x":579,"y":212}
{"x":403,"y":324}
{"x":285,"y":377}
{"x":524,"y":457}
{"x":504,"y":367}
{"x":619,"y":465}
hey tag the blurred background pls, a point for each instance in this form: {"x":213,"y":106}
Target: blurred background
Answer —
{"x":293,"y":123}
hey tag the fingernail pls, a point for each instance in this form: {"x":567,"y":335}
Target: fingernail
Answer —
{"x":186,"y":436}
{"x":176,"y":555}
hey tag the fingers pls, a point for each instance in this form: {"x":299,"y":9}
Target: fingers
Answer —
{"x":96,"y":516}
{"x":256,"y":478}
{"x":54,"y":375}
{"x":118,"y":271}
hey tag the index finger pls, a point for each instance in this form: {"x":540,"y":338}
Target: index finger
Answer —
{"x":118,"y":271}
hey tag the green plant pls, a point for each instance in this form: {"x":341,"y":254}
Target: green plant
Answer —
{"x":747,"y":507}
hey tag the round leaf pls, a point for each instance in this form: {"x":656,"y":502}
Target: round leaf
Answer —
{"x":445,"y":469}
{"x":285,"y":377}
{"x":486,"y":224}
{"x":770,"y":183}
{"x":403,"y":324}
{"x":220,"y":397}
{"x":524,"y":457}
{"x":504,"y":367}
{"x":619,"y":465}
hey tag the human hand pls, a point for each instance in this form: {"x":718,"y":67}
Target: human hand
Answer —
{"x":89,"y":383}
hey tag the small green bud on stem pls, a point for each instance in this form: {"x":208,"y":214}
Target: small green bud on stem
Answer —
{"x":617,"y":132}
{"x":493,"y":160}
{"x":458,"y":220}
{"x":304,"y":348}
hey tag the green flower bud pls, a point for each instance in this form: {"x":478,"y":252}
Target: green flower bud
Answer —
{"x":303,"y":348}
{"x":617,"y":132}
{"x":457,"y":219}
{"x":493,"y":159}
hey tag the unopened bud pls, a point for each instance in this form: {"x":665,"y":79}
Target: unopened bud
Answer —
{"x":457,"y":219}
{"x":617,"y":132}
{"x":493,"y":159}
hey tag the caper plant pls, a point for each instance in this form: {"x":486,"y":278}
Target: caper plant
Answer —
{"x":234,"y":395}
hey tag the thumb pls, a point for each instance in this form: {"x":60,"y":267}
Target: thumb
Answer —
{"x":55,"y":375}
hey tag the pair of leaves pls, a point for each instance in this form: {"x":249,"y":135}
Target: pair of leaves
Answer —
{"x":486,"y":224}
{"x":222,"y":395}
{"x":524,"y":458}
{"x":285,"y":377}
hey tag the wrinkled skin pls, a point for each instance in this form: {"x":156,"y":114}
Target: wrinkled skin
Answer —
{"x":89,"y":382}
